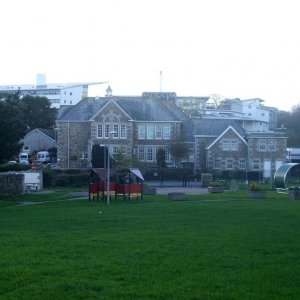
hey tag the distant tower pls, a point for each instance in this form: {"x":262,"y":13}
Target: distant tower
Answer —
{"x":108,"y":91}
{"x":40,"y":80}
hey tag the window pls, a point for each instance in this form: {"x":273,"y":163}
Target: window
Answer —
{"x":106,"y":131}
{"x":242,"y":164}
{"x":123,"y":132}
{"x":70,"y":93}
{"x":83,"y":156}
{"x":217,"y":163}
{"x":158,"y":131}
{"x":150,"y":132}
{"x":229,"y":145}
{"x":262,"y":146}
{"x":141,"y":153}
{"x":166,"y":132}
{"x":272,"y":146}
{"x":167,"y":155}
{"x":116,"y":130}
{"x":229,"y":163}
{"x":141,"y":132}
{"x":100,"y":131}
{"x":256,"y":164}
{"x":149,"y":154}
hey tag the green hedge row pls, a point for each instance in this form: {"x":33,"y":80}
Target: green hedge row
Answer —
{"x":14,"y":168}
{"x":62,"y":178}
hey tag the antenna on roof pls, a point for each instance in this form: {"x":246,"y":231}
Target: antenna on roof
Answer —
{"x":160,"y":81}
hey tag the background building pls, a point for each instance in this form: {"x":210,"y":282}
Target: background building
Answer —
{"x":59,"y":94}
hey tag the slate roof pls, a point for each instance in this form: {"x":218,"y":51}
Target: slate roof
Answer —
{"x":138,"y":108}
{"x":216,"y":127}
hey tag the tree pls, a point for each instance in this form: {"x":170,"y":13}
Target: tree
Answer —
{"x":38,"y":113}
{"x":161,"y":161}
{"x":121,"y":160}
{"x":12,"y":126}
{"x":161,"y":158}
{"x":290,"y":120}
{"x":179,"y":150}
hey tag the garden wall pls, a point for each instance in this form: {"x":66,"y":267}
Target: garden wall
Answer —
{"x":11,"y":184}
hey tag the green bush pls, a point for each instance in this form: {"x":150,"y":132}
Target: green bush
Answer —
{"x":62,"y":178}
{"x":15,"y":167}
{"x":254,"y":186}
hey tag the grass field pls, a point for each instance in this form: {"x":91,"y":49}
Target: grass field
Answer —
{"x":226,"y":248}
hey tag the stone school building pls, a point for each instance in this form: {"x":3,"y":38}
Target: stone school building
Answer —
{"x":139,"y":125}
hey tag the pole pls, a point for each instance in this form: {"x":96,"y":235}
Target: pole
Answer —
{"x":108,"y":168}
{"x":108,"y":176}
{"x":68,"y":145}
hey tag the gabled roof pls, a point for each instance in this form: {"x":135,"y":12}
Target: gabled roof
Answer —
{"x":215,"y":127}
{"x":110,"y":101}
{"x":138,"y":108}
{"x":48,"y":132}
{"x":223,"y":133}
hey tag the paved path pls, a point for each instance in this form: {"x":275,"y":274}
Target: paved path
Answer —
{"x":186,"y":190}
{"x":193,"y":187}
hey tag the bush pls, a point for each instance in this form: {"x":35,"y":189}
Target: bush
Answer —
{"x":16,"y":167}
{"x":215,"y":183}
{"x":253,"y":186}
{"x":61,"y":178}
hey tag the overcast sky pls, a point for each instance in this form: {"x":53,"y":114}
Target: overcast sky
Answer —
{"x":234,"y":48}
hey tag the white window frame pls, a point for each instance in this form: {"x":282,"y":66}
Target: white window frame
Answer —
{"x":229,"y":161}
{"x":150,"y":132}
{"x":229,"y":145}
{"x":141,"y":132}
{"x":116,"y":130}
{"x":158,"y":131}
{"x":149,"y":154}
{"x":256,"y":164}
{"x":141,"y":153}
{"x":166,"y":131}
{"x":106,"y":130}
{"x":100,"y":130}
{"x":242,"y":164}
{"x":217,"y":164}
{"x":123,"y":131}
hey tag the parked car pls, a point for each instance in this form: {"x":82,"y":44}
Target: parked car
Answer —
{"x":43,"y":156}
{"x":24,"y":158}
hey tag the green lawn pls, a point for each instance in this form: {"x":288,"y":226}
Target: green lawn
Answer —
{"x":154,"y":249}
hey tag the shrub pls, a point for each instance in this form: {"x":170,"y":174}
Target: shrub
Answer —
{"x":215,"y":183}
{"x":254,"y":186}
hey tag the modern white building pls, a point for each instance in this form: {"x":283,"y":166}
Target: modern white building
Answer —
{"x":58,"y":93}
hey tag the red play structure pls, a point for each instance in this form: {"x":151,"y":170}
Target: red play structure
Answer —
{"x":127,"y":183}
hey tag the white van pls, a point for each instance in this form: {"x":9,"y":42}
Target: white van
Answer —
{"x":24,"y":158}
{"x":43,"y":156}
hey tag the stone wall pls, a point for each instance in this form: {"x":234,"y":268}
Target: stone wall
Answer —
{"x":11,"y":184}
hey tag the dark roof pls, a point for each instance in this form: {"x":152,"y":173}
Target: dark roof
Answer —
{"x":138,"y":108}
{"x":215,"y":127}
{"x":48,"y":132}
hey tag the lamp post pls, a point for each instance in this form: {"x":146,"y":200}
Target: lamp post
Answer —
{"x":271,"y":148}
{"x":108,"y":169}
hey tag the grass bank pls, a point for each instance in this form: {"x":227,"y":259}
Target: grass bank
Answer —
{"x":155,"y":249}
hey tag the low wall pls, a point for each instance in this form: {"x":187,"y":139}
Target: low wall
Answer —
{"x":11,"y":184}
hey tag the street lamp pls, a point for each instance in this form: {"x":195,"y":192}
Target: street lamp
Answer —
{"x":271,"y":148}
{"x":108,"y":168}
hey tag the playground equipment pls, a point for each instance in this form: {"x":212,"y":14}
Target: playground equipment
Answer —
{"x":127,"y":183}
{"x":287,"y":177}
